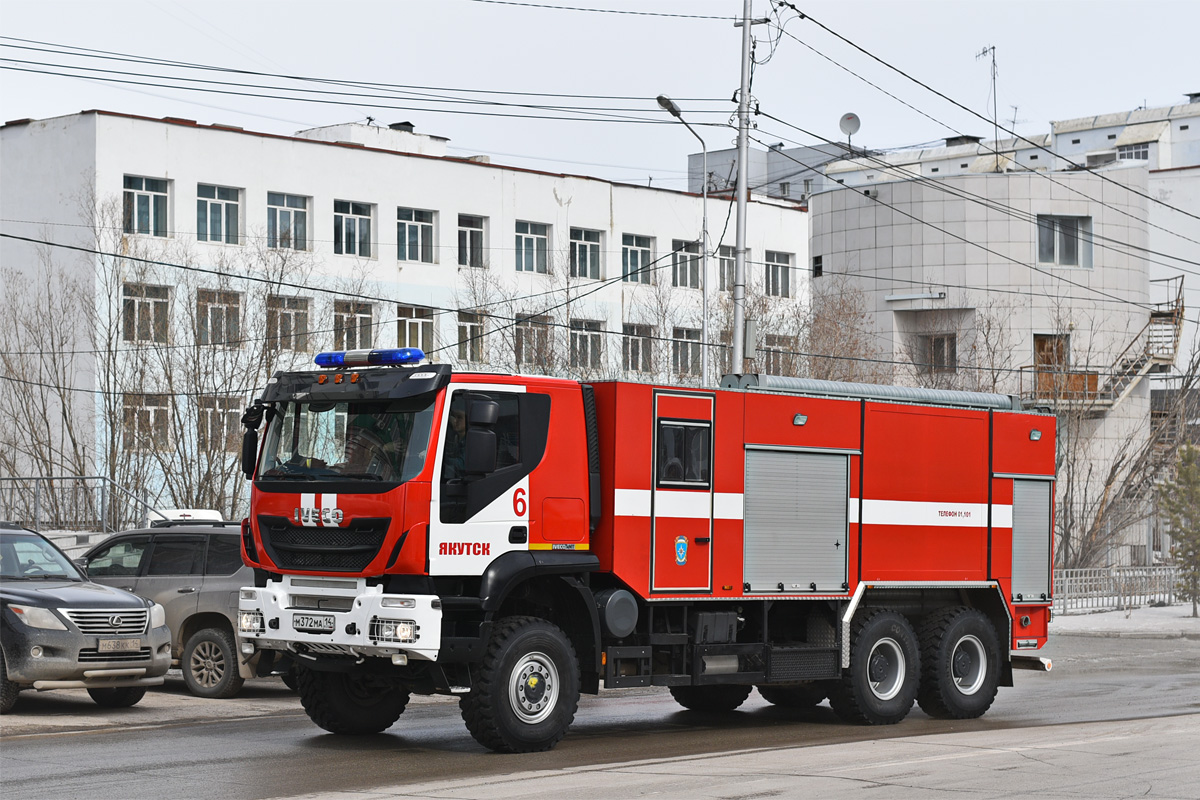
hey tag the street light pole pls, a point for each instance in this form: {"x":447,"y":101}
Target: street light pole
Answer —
{"x":670,"y":107}
{"x":737,"y":363}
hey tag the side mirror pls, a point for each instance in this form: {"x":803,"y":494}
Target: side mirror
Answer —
{"x":479,"y":452}
{"x":249,"y":452}
{"x":81,"y":564}
{"x":483,"y":413}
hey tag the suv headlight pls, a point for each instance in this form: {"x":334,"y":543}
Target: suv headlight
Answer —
{"x":158,"y":616}
{"x":37,"y":617}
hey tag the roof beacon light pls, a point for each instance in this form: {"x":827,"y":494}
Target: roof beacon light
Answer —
{"x":370,"y":358}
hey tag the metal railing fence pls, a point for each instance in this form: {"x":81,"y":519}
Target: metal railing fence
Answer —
{"x":1079,"y":591}
{"x":83,"y":503}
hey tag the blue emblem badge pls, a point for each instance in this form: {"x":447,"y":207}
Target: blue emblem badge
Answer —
{"x":681,"y":550}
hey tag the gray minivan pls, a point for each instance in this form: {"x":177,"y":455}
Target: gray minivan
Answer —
{"x":194,"y":569}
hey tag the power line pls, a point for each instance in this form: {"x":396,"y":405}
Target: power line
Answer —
{"x":548,"y":7}
{"x":971,"y":111}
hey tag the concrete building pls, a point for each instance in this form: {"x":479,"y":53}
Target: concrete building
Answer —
{"x":1041,"y":268}
{"x":259,"y":248}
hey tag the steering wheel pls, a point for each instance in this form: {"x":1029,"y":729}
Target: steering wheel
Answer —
{"x":33,"y":569}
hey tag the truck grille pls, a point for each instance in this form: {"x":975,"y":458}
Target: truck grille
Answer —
{"x":91,"y":655}
{"x":110,"y":622}
{"x":331,"y":549}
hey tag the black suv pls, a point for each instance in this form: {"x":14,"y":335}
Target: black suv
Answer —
{"x":194,"y":569}
{"x":60,"y":631}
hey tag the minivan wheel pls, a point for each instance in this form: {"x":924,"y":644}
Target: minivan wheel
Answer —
{"x":209,"y":664}
{"x":120,"y":697}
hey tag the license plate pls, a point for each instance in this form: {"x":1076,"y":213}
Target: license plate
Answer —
{"x":119,"y":645}
{"x":313,"y":623}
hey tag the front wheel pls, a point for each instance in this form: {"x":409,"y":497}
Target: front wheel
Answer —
{"x":8,"y":689}
{"x":527,"y":689}
{"x":350,"y":704}
{"x":885,"y":668}
{"x":121,"y":697}
{"x":960,"y":657}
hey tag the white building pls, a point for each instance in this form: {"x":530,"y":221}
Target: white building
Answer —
{"x":352,"y":236}
{"x":1041,"y":267}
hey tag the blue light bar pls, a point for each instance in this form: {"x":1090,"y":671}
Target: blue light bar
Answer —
{"x":374,"y":358}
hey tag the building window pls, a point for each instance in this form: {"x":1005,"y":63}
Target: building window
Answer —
{"x":585,"y":253}
{"x":287,"y":221}
{"x":637,"y":348}
{"x":635,"y":258}
{"x":351,"y":325}
{"x":587,"y":338}
{"x":352,"y":228}
{"x":963,"y":166}
{"x":1137,"y":152}
{"x":779,"y":274}
{"x":818,"y":266}
{"x":685,"y":264}
{"x":935,"y":169}
{"x":414,"y":235}
{"x":145,"y":422}
{"x":939,"y":353}
{"x":470,"y":337}
{"x":144,"y":311}
{"x":145,"y":206}
{"x":1112,"y":136}
{"x":785,"y":189}
{"x":533,"y":242}
{"x":217,"y":214}
{"x":287,"y":323}
{"x":726,"y":268}
{"x":414,"y":328}
{"x":778,"y":354}
{"x":470,"y":241}
{"x":218,"y":317}
{"x":1065,"y":241}
{"x":531,"y":341}
{"x":1074,"y":141}
{"x":1033,"y":157}
{"x":685,"y":352}
{"x":218,"y":424}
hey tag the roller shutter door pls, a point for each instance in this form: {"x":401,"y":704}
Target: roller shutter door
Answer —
{"x":1031,"y":540}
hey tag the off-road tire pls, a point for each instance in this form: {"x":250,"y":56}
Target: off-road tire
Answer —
{"x":526,"y":691}
{"x":885,"y":670}
{"x":120,"y":697}
{"x":210,"y":664}
{"x":350,"y":704}
{"x":805,"y":695}
{"x":718,"y":698}
{"x":8,"y":689}
{"x":960,"y":664}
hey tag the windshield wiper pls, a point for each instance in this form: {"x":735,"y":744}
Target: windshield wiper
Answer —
{"x":286,"y":476}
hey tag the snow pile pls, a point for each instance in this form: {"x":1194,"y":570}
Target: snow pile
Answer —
{"x":1174,"y":620}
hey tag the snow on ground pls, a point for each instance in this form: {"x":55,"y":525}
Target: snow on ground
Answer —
{"x":1170,"y":620}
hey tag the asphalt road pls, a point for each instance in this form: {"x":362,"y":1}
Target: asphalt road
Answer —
{"x":1116,"y":718}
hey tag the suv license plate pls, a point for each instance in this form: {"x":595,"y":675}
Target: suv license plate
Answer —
{"x":119,"y":645}
{"x":313,"y":623}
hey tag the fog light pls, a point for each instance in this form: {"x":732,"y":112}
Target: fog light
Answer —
{"x":250,"y":622}
{"x":392,"y":630}
{"x":36,"y":651}
{"x":247,"y":648}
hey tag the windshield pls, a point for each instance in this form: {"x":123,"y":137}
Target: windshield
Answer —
{"x":27,"y":556}
{"x":380,"y":440}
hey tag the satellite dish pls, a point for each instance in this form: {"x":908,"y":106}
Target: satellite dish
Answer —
{"x":850,"y":123}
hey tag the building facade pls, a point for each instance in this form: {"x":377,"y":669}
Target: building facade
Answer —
{"x":212,"y":256}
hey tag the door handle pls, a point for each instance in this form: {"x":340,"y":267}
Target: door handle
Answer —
{"x":518,"y":534}
{"x":187,"y":589}
{"x":703,"y":539}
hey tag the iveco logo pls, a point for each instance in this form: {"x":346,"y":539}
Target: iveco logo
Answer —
{"x":116,"y":620}
{"x":318,"y":516}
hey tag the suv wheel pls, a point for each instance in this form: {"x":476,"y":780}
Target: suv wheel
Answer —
{"x":210,"y":667}
{"x":121,"y":697}
{"x":8,"y":689}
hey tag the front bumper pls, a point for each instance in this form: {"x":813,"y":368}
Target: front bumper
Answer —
{"x":59,"y":666}
{"x":363,"y":626}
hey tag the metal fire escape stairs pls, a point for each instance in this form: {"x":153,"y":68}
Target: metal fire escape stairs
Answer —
{"x":1152,"y":350}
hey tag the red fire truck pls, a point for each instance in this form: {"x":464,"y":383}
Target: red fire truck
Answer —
{"x":517,"y":540}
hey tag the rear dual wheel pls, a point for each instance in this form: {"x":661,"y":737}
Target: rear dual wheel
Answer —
{"x":717,"y":698}
{"x":960,"y":657}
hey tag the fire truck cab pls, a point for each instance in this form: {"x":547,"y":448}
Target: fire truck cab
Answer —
{"x":517,"y":540}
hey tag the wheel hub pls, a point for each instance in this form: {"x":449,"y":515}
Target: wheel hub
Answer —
{"x":886,"y":669}
{"x":533,"y":690}
{"x":968,"y":664}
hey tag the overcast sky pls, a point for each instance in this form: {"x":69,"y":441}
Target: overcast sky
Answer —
{"x":1057,"y":59}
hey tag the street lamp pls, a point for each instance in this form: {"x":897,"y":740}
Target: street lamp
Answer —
{"x":671,"y":108}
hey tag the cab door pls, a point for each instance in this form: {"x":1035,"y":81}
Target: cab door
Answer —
{"x":681,"y":499}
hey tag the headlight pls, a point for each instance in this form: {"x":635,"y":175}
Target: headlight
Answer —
{"x":36,"y":617}
{"x":158,"y":616}
{"x":250,"y":622}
